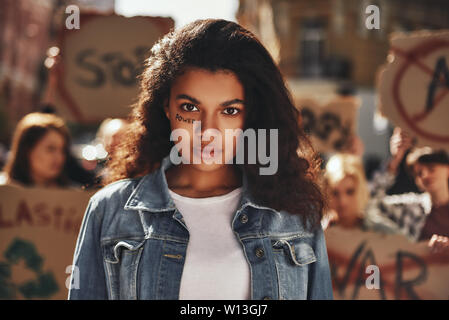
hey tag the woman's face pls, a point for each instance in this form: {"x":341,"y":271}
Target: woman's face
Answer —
{"x":216,"y":99}
{"x":431,"y":177}
{"x":343,"y":199}
{"x":47,"y":158}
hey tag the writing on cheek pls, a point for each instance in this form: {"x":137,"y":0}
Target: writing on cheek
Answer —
{"x":180,"y":118}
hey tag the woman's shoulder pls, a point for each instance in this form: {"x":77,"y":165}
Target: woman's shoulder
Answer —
{"x":116,"y":190}
{"x":106,"y":202}
{"x":297,"y":224}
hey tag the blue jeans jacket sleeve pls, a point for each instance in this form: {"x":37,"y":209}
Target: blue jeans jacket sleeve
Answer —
{"x":320,"y":283}
{"x":88,"y":275}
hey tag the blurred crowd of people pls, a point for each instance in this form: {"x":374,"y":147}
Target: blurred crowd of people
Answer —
{"x":408,"y":195}
{"x":41,"y":153}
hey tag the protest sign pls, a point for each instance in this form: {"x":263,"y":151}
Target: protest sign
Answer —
{"x":413,"y":86}
{"x":38,"y":232}
{"x":405,"y":269}
{"x":96,"y":75}
{"x":328,"y":118}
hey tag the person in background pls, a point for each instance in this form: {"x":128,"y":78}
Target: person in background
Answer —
{"x":39,"y":151}
{"x":431,"y":172}
{"x":75,"y":170}
{"x":349,"y":193}
{"x":347,"y":188}
{"x":345,"y":184}
{"x":419,"y":216}
{"x":400,"y":145}
{"x":110,"y":133}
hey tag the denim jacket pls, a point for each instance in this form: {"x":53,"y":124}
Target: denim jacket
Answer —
{"x":133,"y":242}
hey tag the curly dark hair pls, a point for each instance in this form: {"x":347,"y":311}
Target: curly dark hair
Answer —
{"x":220,"y":45}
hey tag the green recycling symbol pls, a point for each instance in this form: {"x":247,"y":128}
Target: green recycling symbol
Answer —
{"x":43,"y":286}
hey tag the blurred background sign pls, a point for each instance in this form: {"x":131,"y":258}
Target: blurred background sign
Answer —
{"x":329,"y":113}
{"x":406,"y":270}
{"x":414,"y":86}
{"x":38,"y":232}
{"x":95,"y":72}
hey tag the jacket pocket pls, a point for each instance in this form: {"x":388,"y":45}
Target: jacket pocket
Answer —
{"x":299,"y":252}
{"x":121,"y":258}
{"x":293,"y":258}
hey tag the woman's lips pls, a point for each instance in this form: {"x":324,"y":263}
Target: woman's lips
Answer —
{"x":428,"y":182}
{"x":207,"y":153}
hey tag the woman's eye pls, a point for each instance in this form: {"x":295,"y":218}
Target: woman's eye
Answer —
{"x":231,"y":111}
{"x":188,"y":107}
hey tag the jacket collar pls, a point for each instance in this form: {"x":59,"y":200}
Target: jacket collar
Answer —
{"x":151,"y":193}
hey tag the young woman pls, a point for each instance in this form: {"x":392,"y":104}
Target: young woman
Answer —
{"x":172,"y":227}
{"x":39,"y":152}
{"x":431,"y":172}
{"x":348,"y":190}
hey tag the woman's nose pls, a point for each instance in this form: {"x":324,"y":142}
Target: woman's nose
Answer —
{"x":424,"y":173}
{"x":343,"y":201}
{"x":208,"y":122}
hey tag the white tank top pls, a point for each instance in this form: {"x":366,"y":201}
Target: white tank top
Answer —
{"x":215,"y":267}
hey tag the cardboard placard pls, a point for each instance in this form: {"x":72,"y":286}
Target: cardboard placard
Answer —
{"x":38,"y":232}
{"x":414,"y":86}
{"x":329,"y":119}
{"x":407,"y":270}
{"x":96,"y":76}
{"x":331,"y":125}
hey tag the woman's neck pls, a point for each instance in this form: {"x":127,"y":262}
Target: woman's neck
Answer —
{"x":42,"y":182}
{"x":350,"y":223}
{"x":440,"y":197}
{"x":190,"y":182}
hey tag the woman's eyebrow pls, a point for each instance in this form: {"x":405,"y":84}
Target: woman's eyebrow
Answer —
{"x":233,"y":101}
{"x":185,"y":96}
{"x":223,"y":104}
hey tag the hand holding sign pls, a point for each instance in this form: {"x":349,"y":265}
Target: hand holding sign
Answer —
{"x":400,"y":142}
{"x":438,"y":243}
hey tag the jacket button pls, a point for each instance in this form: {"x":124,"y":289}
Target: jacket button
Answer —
{"x":260,"y":253}
{"x":243,"y":218}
